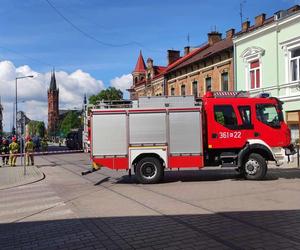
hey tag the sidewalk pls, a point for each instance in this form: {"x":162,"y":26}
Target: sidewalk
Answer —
{"x":14,"y":176}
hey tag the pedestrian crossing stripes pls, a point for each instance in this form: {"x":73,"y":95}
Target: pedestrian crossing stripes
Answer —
{"x":32,"y":203}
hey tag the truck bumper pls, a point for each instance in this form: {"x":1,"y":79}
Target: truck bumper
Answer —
{"x":282,"y":155}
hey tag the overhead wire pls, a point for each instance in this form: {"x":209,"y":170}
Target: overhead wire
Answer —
{"x":91,"y":37}
{"x":87,"y":34}
{"x":25,"y":56}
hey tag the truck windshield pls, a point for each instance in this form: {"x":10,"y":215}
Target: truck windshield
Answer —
{"x":268,"y":114}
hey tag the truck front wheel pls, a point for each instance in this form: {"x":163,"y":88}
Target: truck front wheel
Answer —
{"x":149,"y":170}
{"x":255,"y":167}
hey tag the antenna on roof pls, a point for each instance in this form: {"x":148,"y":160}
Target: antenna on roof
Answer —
{"x":242,"y":2}
{"x":188,"y":39}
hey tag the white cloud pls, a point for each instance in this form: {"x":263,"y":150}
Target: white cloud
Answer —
{"x":32,"y":92}
{"x":123,"y":82}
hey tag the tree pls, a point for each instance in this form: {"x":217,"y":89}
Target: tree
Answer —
{"x":110,"y":93}
{"x":36,"y":128}
{"x":71,"y":121}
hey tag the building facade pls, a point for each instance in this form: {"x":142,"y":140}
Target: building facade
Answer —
{"x":148,"y":80}
{"x":207,"y":68}
{"x":267,"y":59}
{"x":53,"y":106}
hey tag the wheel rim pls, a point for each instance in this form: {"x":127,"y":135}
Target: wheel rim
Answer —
{"x":148,"y":170}
{"x":251,"y":167}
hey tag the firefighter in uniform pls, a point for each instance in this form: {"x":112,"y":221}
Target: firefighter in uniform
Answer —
{"x":4,"y":150}
{"x":44,"y":145}
{"x":13,"y":151}
{"x":29,"y":149}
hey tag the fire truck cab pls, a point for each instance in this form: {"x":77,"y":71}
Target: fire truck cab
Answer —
{"x":245,"y":131}
{"x":221,"y":129}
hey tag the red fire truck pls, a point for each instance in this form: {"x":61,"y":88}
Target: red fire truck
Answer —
{"x":222,"y":128}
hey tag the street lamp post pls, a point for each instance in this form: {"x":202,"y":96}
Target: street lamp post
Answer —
{"x":16,"y":89}
{"x":16,"y":105}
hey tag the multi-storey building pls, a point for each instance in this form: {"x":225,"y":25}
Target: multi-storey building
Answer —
{"x":267,"y":59}
{"x":209,"y":67}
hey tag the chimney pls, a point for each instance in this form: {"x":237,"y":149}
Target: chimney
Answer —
{"x":293,"y":9}
{"x":149,"y":63}
{"x":259,"y":20}
{"x":245,"y":26}
{"x":214,"y":37}
{"x":173,"y":55}
{"x":186,"y":50}
{"x":230,"y":33}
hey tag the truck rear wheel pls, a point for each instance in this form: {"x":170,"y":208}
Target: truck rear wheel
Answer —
{"x":255,"y":167}
{"x":149,"y":170}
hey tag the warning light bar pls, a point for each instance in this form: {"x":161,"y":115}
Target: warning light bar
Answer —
{"x":227,"y":94}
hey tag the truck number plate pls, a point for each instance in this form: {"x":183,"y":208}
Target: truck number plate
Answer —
{"x":226,"y":135}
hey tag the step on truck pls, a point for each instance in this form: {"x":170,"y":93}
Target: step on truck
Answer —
{"x":154,"y":134}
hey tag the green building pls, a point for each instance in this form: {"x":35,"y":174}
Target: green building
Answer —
{"x":267,"y":59}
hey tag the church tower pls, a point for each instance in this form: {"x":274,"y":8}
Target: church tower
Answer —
{"x":139,"y":72}
{"x":138,"y":75}
{"x":53,"y":102}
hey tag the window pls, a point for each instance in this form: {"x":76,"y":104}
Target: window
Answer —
{"x":224,"y":81}
{"x":254,"y":74}
{"x":182,"y":90}
{"x":172,"y":91}
{"x":225,"y":115}
{"x":208,"y":84}
{"x":245,"y":113}
{"x":195,"y":88}
{"x":295,"y":65}
{"x":135,"y":80}
{"x":268,"y":114}
{"x":294,"y":132}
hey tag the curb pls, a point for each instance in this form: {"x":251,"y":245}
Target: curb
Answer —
{"x":26,"y":181}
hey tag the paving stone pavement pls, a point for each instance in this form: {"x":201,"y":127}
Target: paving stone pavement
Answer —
{"x":208,"y":209}
{"x":16,"y":176}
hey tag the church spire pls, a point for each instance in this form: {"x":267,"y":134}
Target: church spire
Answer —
{"x":53,"y":81}
{"x":140,"y":65}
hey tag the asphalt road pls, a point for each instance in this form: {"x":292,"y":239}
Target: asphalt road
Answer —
{"x":207,"y":209}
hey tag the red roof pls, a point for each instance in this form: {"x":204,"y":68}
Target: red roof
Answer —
{"x":140,"y":65}
{"x":200,"y":54}
{"x":184,"y":58}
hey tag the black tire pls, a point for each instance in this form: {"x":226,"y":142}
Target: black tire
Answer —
{"x":255,"y":167}
{"x":149,"y":170}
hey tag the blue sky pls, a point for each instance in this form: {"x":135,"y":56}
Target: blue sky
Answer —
{"x":33,"y":29}
{"x":34,"y":38}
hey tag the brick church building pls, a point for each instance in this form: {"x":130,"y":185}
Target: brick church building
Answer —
{"x":53,"y":106}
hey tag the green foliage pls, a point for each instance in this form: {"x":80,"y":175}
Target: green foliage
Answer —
{"x":110,"y":93}
{"x":71,"y":121}
{"x":36,"y":128}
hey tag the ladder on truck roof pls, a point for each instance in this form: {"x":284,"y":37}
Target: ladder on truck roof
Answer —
{"x":150,"y":102}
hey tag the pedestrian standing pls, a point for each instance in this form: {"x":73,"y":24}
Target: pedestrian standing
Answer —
{"x":29,"y":149}
{"x":4,"y":150}
{"x":44,"y":145}
{"x":13,"y":151}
